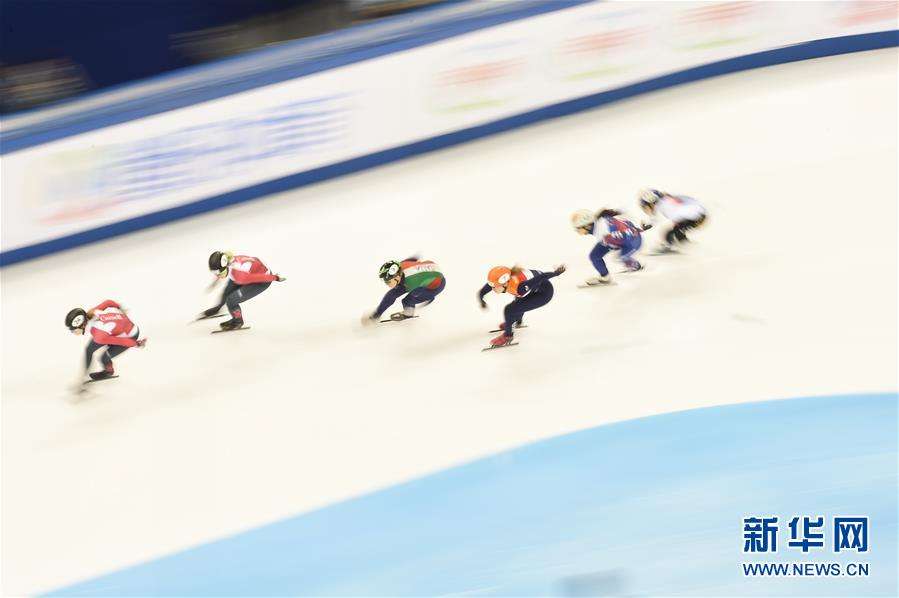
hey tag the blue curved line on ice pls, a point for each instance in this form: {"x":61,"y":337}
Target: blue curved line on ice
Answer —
{"x":649,"y":506}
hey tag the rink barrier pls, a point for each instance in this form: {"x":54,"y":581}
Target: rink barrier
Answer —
{"x":203,"y":83}
{"x":805,"y":51}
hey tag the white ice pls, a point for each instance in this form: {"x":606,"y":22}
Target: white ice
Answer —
{"x":789,"y":291}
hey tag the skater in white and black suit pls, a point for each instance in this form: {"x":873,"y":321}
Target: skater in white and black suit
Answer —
{"x":684,"y":212}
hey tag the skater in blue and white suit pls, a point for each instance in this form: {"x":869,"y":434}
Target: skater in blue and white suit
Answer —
{"x":613,"y":233}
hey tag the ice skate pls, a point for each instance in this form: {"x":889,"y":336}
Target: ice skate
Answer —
{"x":107,"y":372}
{"x":598,"y":281}
{"x":501,"y":341}
{"x":400,"y":316}
{"x":665,"y":250}
{"x":232,"y":324}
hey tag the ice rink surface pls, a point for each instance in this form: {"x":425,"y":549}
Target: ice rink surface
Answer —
{"x":791,"y":290}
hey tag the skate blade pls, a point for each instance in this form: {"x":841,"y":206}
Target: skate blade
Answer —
{"x":232,"y":330}
{"x":91,"y":381}
{"x":492,"y":348}
{"x":593,"y":286}
{"x":403,"y":320}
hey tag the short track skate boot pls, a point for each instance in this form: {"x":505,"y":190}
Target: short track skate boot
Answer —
{"x":208,"y":313}
{"x":399,"y":316}
{"x":501,"y":341}
{"x":598,"y":280}
{"x":232,"y":324}
{"x":633,"y":266}
{"x":108,"y":372}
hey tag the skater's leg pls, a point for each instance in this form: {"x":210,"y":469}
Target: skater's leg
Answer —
{"x":690,"y":225}
{"x":92,"y":348}
{"x":596,"y":258}
{"x":680,"y":229}
{"x":421,"y":297}
{"x":111,"y":352}
{"x":514,"y":312}
{"x":671,"y":236}
{"x":229,"y":288}
{"x":243,"y":293}
{"x":107,"y":355}
{"x":631,"y":246}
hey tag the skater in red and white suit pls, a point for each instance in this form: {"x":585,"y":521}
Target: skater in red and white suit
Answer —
{"x":247,"y":277}
{"x":110,"y":329}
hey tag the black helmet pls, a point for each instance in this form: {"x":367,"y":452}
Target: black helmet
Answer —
{"x":76,"y":318}
{"x":218,"y":261}
{"x":389,"y":270}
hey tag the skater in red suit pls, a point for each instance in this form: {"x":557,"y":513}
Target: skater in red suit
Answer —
{"x":110,"y":329}
{"x":247,"y":277}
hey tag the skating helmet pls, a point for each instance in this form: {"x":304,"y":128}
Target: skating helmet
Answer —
{"x":76,"y":319}
{"x":218,"y":261}
{"x":582,"y":219}
{"x":389,"y":270}
{"x":499,"y":276}
{"x":649,"y":197}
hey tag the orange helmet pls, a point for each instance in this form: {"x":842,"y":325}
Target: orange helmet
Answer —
{"x":499,"y":276}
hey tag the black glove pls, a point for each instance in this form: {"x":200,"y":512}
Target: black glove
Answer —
{"x":482,"y":302}
{"x":559,"y":270}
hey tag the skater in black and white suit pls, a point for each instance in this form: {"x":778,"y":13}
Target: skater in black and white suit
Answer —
{"x":684,"y":212}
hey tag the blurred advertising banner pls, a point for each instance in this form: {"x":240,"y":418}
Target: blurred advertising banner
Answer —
{"x":208,"y":149}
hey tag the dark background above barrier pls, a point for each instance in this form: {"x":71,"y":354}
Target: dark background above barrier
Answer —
{"x":57,"y":49}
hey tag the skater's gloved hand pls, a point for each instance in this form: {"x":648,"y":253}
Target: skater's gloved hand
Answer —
{"x":646,"y":226}
{"x":369,"y":319}
{"x":280,"y":278}
{"x":141,"y":343}
{"x":482,"y":302}
{"x":559,"y":269}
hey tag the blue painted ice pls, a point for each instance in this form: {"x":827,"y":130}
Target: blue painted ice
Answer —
{"x":646,"y":507}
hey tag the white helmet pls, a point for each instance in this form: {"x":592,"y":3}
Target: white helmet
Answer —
{"x":649,"y":196}
{"x":582,"y":218}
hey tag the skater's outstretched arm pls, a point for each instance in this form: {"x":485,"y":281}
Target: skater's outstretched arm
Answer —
{"x":542,"y":277}
{"x":389,"y":299}
{"x":483,"y":293}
